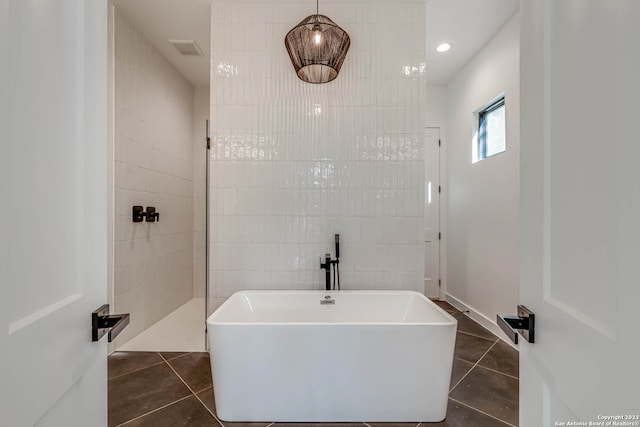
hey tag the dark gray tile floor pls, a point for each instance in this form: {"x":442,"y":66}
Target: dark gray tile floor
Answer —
{"x":149,"y":389}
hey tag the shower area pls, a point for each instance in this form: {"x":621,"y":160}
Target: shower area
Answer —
{"x":160,"y":155}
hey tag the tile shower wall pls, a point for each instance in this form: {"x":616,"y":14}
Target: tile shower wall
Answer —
{"x":153,"y":167}
{"x":294,"y":163}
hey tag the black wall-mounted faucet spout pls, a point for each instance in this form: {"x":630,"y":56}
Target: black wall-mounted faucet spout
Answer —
{"x":327,"y":268}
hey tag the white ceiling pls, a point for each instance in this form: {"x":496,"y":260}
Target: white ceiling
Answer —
{"x":164,"y":20}
{"x":466,"y":24}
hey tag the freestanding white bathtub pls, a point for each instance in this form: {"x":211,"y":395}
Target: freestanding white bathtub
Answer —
{"x":315,"y":356}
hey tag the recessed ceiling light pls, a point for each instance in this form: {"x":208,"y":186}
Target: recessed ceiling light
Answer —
{"x":443,"y":47}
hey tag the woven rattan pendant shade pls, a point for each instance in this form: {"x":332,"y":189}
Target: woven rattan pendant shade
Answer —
{"x":317,"y":48}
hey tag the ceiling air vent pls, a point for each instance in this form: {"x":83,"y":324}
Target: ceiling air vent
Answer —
{"x":187,"y":47}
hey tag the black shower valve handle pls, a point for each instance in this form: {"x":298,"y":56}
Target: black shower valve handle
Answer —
{"x":152,"y":214}
{"x":138,"y":214}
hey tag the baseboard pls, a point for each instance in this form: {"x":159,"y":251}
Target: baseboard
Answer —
{"x":480,"y":318}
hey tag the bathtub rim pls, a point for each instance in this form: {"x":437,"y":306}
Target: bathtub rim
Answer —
{"x":452,"y":321}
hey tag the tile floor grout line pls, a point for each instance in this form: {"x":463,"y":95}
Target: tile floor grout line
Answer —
{"x":476,"y":336}
{"x":155,"y":410}
{"x":469,"y":333}
{"x":177,"y":357}
{"x":195,"y":395}
{"x":210,"y":411}
{"x":498,"y":372}
{"x":494,"y":370}
{"x":204,"y":389}
{"x":476,"y":364}
{"x":137,"y":370}
{"x":482,"y":412}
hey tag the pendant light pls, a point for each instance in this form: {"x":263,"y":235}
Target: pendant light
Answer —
{"x":317,"y":48}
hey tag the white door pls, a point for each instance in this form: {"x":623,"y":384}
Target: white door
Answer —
{"x":432,"y":214}
{"x":53,"y":213}
{"x":580,"y":204}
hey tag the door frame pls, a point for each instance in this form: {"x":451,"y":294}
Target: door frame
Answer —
{"x":111,"y":87}
{"x":441,"y":197}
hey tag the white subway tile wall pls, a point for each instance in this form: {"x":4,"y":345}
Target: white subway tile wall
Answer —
{"x":153,"y":167}
{"x":293,"y":163}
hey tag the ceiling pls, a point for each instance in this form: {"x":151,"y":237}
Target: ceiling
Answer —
{"x":164,"y":20}
{"x":466,"y":24}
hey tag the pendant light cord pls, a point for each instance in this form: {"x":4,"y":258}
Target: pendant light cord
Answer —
{"x":317,"y":7}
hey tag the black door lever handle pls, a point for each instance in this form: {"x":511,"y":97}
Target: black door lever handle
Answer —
{"x":522,"y":324}
{"x":102,"y":323}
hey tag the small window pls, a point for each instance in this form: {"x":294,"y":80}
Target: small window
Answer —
{"x":492,"y":138}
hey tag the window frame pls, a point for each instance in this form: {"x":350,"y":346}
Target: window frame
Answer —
{"x":482,"y":132}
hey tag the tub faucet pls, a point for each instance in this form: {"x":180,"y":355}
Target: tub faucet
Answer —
{"x":327,"y":268}
{"x":329,"y":263}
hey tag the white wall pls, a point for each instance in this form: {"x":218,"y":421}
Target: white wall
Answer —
{"x":153,"y":167}
{"x":200,"y":116}
{"x":293,"y":163}
{"x":483,"y":208}
{"x":437,"y":106}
